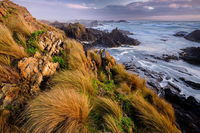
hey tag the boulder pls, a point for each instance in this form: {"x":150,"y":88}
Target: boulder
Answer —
{"x":191,"y":55}
{"x":194,"y":36}
{"x":181,"y":34}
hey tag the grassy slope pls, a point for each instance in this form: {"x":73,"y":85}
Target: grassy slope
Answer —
{"x":91,"y":93}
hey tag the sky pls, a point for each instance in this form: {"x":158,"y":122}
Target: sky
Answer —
{"x":62,"y":10}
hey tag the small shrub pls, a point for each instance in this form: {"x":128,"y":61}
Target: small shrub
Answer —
{"x":31,"y":50}
{"x":60,"y":60}
{"x":32,"y":42}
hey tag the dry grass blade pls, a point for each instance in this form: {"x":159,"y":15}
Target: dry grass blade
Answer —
{"x":8,"y":46}
{"x":111,"y":124}
{"x":150,"y":119}
{"x":75,"y":79}
{"x":107,"y":106}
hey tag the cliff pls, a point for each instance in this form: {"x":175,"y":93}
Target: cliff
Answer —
{"x":48,"y":83}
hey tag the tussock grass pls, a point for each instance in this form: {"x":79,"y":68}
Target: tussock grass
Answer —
{"x":160,"y":104}
{"x":8,"y":46}
{"x":76,"y":79}
{"x":112,"y":124}
{"x":8,"y":75}
{"x":149,"y":119}
{"x":16,"y":23}
{"x":76,"y":58}
{"x":59,"y":110}
{"x":5,"y":60}
{"x":95,"y":57}
{"x":107,"y":106}
{"x":132,"y":80}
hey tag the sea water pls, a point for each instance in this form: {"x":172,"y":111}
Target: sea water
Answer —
{"x":156,"y":39}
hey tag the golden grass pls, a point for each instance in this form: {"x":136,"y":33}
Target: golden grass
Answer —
{"x":76,"y":58}
{"x":4,"y":127}
{"x":16,"y":23}
{"x":59,"y":110}
{"x":160,"y":104}
{"x":132,"y":80}
{"x":75,"y":79}
{"x":8,"y":75}
{"x":106,"y":106}
{"x":150,"y":120}
{"x":8,"y":46}
{"x":5,"y":60}
{"x":111,"y":124}
{"x":92,"y":54}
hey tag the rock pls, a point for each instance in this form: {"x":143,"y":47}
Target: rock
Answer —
{"x":115,"y":39}
{"x":51,"y":43}
{"x":187,"y":111}
{"x":181,"y":34}
{"x":122,"y":21}
{"x":194,"y":36}
{"x":93,"y":37}
{"x":191,"y":55}
{"x":166,"y":57}
{"x":193,"y":84}
{"x":33,"y":69}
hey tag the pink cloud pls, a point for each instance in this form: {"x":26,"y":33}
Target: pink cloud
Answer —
{"x":76,"y":6}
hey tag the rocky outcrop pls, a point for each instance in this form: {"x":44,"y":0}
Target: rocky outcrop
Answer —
{"x":93,"y":37}
{"x":33,"y":69}
{"x":51,"y":43}
{"x":187,"y":111}
{"x":191,"y":55}
{"x":115,"y":39}
{"x":181,"y":34}
{"x":194,"y":36}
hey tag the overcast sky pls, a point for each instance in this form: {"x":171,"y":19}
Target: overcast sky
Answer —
{"x":113,"y":9}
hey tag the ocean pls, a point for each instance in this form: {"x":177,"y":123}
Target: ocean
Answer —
{"x":157,"y":39}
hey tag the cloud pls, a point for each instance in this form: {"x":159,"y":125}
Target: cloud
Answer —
{"x":76,"y":6}
{"x":113,"y":9}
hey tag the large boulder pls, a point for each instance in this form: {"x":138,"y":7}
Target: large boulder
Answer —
{"x":191,"y":55}
{"x":194,"y":36}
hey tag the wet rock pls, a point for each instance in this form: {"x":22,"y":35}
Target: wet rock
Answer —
{"x":191,"y":55}
{"x":181,"y":34}
{"x":187,"y":111}
{"x":166,"y":57}
{"x":33,"y":69}
{"x":194,"y":36}
{"x":191,"y":83}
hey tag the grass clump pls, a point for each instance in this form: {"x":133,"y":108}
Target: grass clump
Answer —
{"x":59,"y":110}
{"x":149,"y":119}
{"x":75,"y":79}
{"x":8,"y":46}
